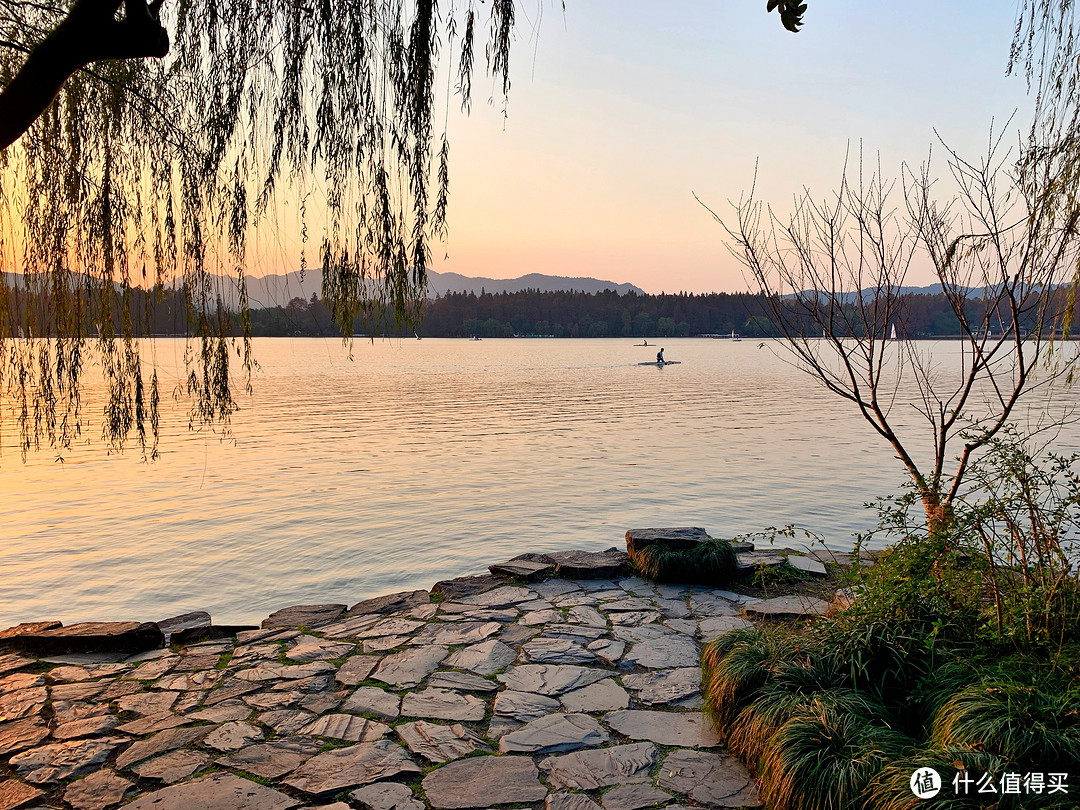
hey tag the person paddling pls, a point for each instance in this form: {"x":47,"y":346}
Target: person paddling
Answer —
{"x":660,"y":357}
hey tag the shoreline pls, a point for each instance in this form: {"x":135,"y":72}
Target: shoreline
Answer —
{"x":541,"y":684}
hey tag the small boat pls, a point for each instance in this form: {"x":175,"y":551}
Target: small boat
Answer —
{"x":734,"y":337}
{"x":892,"y":334}
{"x":476,"y":337}
{"x":665,"y":363}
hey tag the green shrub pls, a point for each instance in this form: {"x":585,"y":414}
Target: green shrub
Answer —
{"x":824,"y":759}
{"x":710,"y":562}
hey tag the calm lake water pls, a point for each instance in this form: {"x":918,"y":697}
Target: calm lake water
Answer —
{"x":421,"y":460}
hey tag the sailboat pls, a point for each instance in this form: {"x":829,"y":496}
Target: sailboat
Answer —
{"x":892,"y":334}
{"x":735,"y":337}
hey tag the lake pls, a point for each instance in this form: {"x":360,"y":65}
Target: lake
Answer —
{"x":416,"y":461}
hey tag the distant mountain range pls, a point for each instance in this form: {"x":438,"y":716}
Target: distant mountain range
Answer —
{"x":278,"y":290}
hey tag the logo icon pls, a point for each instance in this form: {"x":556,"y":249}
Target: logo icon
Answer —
{"x":925,"y":783}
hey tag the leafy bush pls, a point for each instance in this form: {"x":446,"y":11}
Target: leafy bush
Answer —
{"x":710,"y":562}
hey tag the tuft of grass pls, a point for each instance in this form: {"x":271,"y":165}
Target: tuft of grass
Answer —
{"x":738,"y":664}
{"x":890,"y":789}
{"x":824,"y":758}
{"x":1018,"y":722}
{"x":710,"y":562}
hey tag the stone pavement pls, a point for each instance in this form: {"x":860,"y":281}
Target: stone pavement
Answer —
{"x":560,"y":694}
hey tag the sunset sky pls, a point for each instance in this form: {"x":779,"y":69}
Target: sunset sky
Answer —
{"x":621,"y":110}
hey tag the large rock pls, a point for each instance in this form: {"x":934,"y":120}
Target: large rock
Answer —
{"x":90,"y":637}
{"x":681,"y":538}
{"x":483,"y":782}
{"x":391,"y":603}
{"x":589,"y":564}
{"x":221,"y":791}
{"x":185,"y":621}
{"x":27,"y":629}
{"x":303,"y":616}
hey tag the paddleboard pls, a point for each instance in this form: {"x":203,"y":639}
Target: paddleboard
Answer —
{"x":665,"y":363}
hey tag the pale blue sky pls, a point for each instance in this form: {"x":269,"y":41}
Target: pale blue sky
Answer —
{"x":620,"y":109}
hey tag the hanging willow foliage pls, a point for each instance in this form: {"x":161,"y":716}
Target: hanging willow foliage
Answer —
{"x":150,"y":175}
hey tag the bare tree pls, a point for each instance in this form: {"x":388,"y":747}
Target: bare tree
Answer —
{"x":835,"y":271}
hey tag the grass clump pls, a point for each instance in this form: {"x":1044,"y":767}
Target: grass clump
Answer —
{"x":710,"y":562}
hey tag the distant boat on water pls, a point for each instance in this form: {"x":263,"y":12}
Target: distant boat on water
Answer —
{"x":734,"y":337}
{"x":665,"y":363}
{"x":892,"y":334}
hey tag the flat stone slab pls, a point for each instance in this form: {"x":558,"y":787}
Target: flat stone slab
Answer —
{"x":310,"y":648}
{"x":410,"y":667}
{"x":712,"y":779}
{"x":788,"y":607}
{"x":570,"y":801}
{"x":716,"y":626}
{"x":391,"y":603}
{"x":97,"y":791}
{"x":168,"y":740}
{"x":303,"y":616}
{"x":439,"y":743}
{"x":665,"y":685}
{"x":602,"y":696}
{"x":485,"y":658}
{"x":356,"y":669}
{"x":442,"y":704}
{"x":527,"y":570}
{"x":448,"y":679}
{"x":90,"y":637}
{"x":346,"y":727}
{"x":271,"y":760}
{"x":359,"y":764}
{"x":807,"y":564}
{"x":185,"y":621}
{"x":550,"y":679}
{"x":680,"y":538}
{"x":463,"y":632}
{"x":14,"y":794}
{"x":58,"y":761}
{"x":19,"y":735}
{"x":174,"y":766}
{"x":607,"y":649}
{"x":597,"y":768}
{"x":373,"y":700}
{"x":665,"y":652}
{"x":664,"y":728}
{"x":500,"y":597}
{"x":557,"y":651}
{"x":588,"y":564}
{"x":554,"y":733}
{"x":634,"y":797}
{"x":483,"y":782}
{"x":467,"y":586}
{"x":524,"y":706}
{"x":749,"y":560}
{"x":221,"y":791}
{"x":387,"y":796}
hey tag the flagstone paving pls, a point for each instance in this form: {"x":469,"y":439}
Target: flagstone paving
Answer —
{"x":558,"y":694}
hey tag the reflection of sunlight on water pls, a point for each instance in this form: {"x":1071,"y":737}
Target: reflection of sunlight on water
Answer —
{"x":420,"y":460}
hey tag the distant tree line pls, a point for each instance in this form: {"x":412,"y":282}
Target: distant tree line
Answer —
{"x":603,"y":314}
{"x":529,"y":312}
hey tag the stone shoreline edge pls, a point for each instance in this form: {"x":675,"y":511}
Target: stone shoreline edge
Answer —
{"x":557,"y":680}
